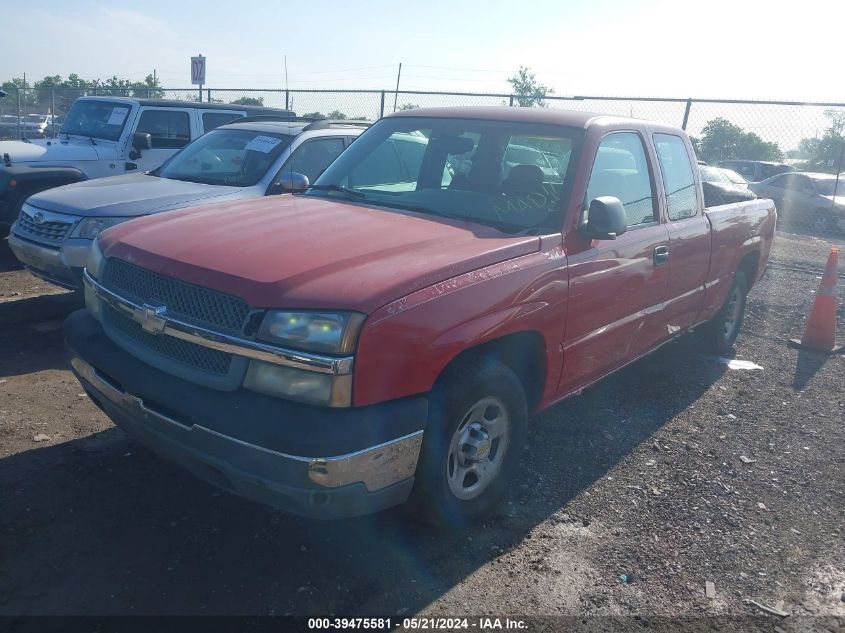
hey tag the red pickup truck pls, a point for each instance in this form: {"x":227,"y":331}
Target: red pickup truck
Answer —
{"x":386,"y":332}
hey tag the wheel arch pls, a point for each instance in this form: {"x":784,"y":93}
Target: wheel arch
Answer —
{"x":523,"y":352}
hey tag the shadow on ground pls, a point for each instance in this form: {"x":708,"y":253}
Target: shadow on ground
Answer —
{"x":100,"y":526}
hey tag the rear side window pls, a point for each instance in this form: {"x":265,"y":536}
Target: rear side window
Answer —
{"x":621,"y":170}
{"x":678,"y":179}
{"x":168,"y":128}
{"x":211,"y":120}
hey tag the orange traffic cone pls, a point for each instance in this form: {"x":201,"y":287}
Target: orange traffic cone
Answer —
{"x":820,"y":331}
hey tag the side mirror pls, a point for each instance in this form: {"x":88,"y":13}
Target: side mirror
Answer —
{"x":605,"y":219}
{"x":142,"y":141}
{"x":289,"y":182}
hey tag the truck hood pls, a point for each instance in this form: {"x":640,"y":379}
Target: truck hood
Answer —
{"x":305,"y":252}
{"x":48,"y":151}
{"x":126,"y":196}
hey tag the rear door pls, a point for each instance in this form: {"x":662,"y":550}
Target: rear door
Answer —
{"x":617,"y":286}
{"x":689,"y":233}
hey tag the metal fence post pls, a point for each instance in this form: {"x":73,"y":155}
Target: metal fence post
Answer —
{"x":511,"y":101}
{"x":19,"y":114}
{"x":53,"y":112}
{"x":208,"y":94}
{"x":287,"y":99}
{"x":686,"y":114}
{"x":381,"y":115}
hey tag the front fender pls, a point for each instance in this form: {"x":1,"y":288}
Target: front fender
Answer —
{"x":405,"y":345}
{"x":30,"y":178}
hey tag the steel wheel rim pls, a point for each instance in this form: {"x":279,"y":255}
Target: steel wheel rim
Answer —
{"x":478,"y":448}
{"x":732,"y":314}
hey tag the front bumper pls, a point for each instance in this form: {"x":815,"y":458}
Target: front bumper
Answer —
{"x":61,"y":265}
{"x":323,"y":463}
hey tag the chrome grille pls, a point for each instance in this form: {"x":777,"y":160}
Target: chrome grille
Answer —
{"x":52,"y":230}
{"x":184,"y":301}
{"x":194,"y":356}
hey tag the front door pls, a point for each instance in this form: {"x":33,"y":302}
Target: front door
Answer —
{"x":170,"y":130}
{"x":616,"y":287}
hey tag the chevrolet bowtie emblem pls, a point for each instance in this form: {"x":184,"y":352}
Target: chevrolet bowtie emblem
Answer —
{"x":151,"y":318}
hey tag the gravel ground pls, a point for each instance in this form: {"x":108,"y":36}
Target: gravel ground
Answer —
{"x":672,"y":474}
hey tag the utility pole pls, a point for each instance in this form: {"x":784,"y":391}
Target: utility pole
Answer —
{"x":838,"y":172}
{"x":287,"y":93}
{"x":396,"y":94}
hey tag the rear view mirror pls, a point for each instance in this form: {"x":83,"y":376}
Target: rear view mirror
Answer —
{"x":289,"y":182}
{"x":606,"y":219}
{"x":452,"y":144}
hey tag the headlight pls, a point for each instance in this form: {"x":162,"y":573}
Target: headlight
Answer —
{"x":324,"y":332}
{"x":95,"y":262}
{"x":90,"y":228}
{"x":298,"y":384}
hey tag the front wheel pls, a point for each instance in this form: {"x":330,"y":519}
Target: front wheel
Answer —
{"x":719,"y":334}
{"x":473,"y":442}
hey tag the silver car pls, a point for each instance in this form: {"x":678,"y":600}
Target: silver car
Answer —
{"x":54,"y":230}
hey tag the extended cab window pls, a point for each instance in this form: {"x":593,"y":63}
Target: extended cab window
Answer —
{"x":510,"y":175}
{"x":678,"y":179}
{"x":168,"y":128}
{"x":621,"y":170}
{"x":312,"y":157}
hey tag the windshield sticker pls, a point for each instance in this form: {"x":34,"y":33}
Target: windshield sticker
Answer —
{"x":117,"y":116}
{"x":264,"y":144}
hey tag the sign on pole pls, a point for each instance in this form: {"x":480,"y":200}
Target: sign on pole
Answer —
{"x":198,"y":70}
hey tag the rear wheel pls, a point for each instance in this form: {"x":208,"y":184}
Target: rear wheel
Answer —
{"x":719,"y":334}
{"x":473,"y":442}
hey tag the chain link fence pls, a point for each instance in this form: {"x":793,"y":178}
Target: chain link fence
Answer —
{"x":755,"y":138}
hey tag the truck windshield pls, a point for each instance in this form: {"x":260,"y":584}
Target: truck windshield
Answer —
{"x":510,"y":175}
{"x":96,"y":119}
{"x":230,"y":157}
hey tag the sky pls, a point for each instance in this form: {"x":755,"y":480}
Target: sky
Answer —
{"x":718,"y":49}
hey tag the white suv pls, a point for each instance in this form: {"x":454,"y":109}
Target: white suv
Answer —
{"x":245,"y":159}
{"x":106,"y":136}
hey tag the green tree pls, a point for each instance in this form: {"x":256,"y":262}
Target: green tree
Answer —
{"x":337,"y":115}
{"x":825,"y":153}
{"x":314,"y":115}
{"x":722,"y":140}
{"x":408,"y":106}
{"x":528,"y":90}
{"x":249,"y":101}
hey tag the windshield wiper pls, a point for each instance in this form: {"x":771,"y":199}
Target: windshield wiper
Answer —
{"x":350,"y":193}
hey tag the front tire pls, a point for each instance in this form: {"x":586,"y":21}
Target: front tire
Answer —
{"x":473,"y":442}
{"x":719,"y":334}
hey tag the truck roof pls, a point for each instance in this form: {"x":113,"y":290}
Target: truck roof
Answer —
{"x":571,"y":118}
{"x":171,"y":103}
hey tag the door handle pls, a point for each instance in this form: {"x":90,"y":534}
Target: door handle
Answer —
{"x":131,"y":166}
{"x":661,"y":255}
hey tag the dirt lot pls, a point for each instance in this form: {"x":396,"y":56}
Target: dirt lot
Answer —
{"x":673,"y":473}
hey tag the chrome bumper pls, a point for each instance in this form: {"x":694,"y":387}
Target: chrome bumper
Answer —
{"x":377,"y":467}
